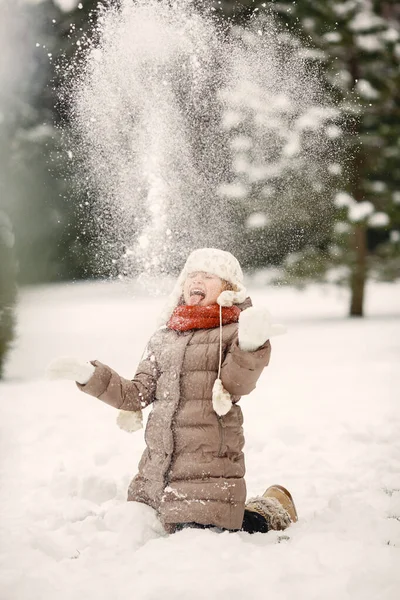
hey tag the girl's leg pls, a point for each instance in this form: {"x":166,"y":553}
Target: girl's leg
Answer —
{"x":253,"y":522}
{"x":275,"y":509}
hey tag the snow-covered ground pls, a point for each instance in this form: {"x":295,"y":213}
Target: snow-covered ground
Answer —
{"x":324,"y":421}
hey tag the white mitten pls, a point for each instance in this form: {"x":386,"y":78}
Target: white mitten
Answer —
{"x":130,"y":420}
{"x":256,"y":327}
{"x":67,"y":367}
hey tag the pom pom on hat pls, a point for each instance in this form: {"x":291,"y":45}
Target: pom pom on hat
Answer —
{"x":230,"y":297}
{"x":221,"y":399}
{"x":129,"y":420}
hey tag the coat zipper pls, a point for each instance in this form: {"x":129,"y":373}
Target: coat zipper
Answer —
{"x":189,"y":335}
{"x":221,"y":433}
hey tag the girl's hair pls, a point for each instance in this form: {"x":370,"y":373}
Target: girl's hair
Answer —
{"x":226,"y":286}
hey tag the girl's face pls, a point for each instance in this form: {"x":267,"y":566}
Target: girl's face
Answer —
{"x":202,"y":288}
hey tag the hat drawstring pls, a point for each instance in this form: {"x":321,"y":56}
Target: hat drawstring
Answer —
{"x":220,"y":341}
{"x":221,"y":398}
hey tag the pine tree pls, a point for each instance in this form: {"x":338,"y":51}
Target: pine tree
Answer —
{"x":357,"y":46}
{"x":282,"y":137}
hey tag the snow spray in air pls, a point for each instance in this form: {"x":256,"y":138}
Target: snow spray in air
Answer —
{"x":161,"y":105}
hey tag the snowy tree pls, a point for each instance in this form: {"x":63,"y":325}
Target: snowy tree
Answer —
{"x":360,"y":42}
{"x":357,"y":45}
{"x":283,"y":140}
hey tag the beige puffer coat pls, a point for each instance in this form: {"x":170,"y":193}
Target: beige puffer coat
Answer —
{"x":192,"y":469}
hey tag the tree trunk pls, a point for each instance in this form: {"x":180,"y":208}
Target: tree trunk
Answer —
{"x":359,"y":270}
{"x":359,"y":241}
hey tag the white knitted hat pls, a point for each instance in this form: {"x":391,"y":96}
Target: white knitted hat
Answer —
{"x":217,"y":262}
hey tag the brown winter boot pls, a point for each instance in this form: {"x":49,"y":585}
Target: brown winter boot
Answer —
{"x":285,"y":498}
{"x":276,"y":506}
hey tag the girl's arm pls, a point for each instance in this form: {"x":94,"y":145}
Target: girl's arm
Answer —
{"x":241,"y":369}
{"x":122,"y":393}
{"x":249,"y":351}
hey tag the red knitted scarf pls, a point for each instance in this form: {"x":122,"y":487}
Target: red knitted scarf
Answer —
{"x":187,"y":317}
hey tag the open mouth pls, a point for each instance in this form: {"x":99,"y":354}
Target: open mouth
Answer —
{"x":197,"y":293}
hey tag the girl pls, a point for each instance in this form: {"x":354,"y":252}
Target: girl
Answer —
{"x":209,"y":350}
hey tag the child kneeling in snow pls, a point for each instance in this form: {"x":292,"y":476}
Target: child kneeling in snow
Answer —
{"x":209,"y":351}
